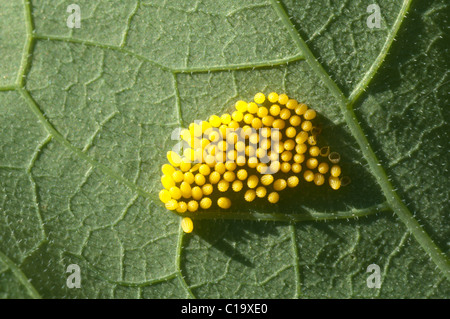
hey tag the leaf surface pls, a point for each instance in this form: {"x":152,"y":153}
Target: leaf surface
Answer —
{"x":86,"y":116}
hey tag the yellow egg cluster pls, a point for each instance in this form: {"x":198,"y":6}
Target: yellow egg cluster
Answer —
{"x":260,"y":149}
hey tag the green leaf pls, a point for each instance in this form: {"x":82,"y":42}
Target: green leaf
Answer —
{"x":86,"y":115}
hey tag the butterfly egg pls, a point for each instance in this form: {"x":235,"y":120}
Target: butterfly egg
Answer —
{"x":278,"y":124}
{"x":266,"y":179}
{"x":164,"y":196}
{"x":285,"y":114}
{"x":188,"y":158}
{"x":291,"y":132}
{"x":334,"y":182}
{"x":232,"y":155}
{"x":233,"y":125}
{"x":254,"y":138}
{"x":187,"y":225}
{"x":299,"y":158}
{"x":171,"y":204}
{"x":260,"y":152}
{"x":250,"y":151}
{"x":185,"y":165}
{"x":283,"y":99}
{"x":259,"y":98}
{"x":278,"y":147}
{"x":223,"y":185}
{"x":325,"y":151}
{"x":245,"y":132}
{"x":286,"y":156}
{"x":200,"y":179}
{"x":215,"y":121}
{"x":265,"y":144}
{"x":292,"y":181}
{"x":248,"y":118}
{"x":229,"y":176}
{"x":301,"y":137}
{"x":242,"y":174}
{"x":312,"y":163}
{"x":262,"y":112}
{"x":204,"y":169}
{"x":182,"y":207}
{"x":205,"y":126}
{"x":285,"y":167}
{"x":197,"y":193}
{"x":252,"y":181}
{"x":279,"y":184}
{"x":273,"y":97}
{"x":319,"y":179}
{"x":167,"y":169}
{"x":314,"y":151}
{"x":309,"y":114}
{"x":265,"y":132}
{"x":204,"y":142}
{"x":222,"y":146}
{"x":192,"y":206}
{"x":213,"y":136}
{"x":261,"y":191}
{"x":240,"y":160}
{"x":173,"y":158}
{"x":276,"y":135}
{"x":308,"y":176}
{"x":301,"y":148}
{"x":194,"y":168}
{"x":296,"y":168}
{"x":262,"y":168}
{"x":289,"y":145}
{"x":323,"y":168}
{"x":237,"y":185}
{"x":189,"y":177}
{"x":167,"y":181}
{"x":274,"y":167}
{"x":252,"y":162}
{"x":205,"y":203}
{"x":220,"y":168}
{"x":334,"y":157}
{"x":225,"y":118}
{"x":207,"y":189}
{"x":211,"y":160}
{"x":291,"y":104}
{"x":241,"y":106}
{"x":335,"y":170}
{"x":175,"y":192}
{"x":312,"y":140}
{"x":231,"y":166}
{"x":224,"y":202}
{"x":295,"y":120}
{"x":250,"y":195}
{"x":306,"y":126}
{"x":268,"y":120}
{"x":273,"y":197}
{"x":274,"y":110}
{"x":257,"y":123}
{"x":252,"y":108}
{"x":301,"y":108}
